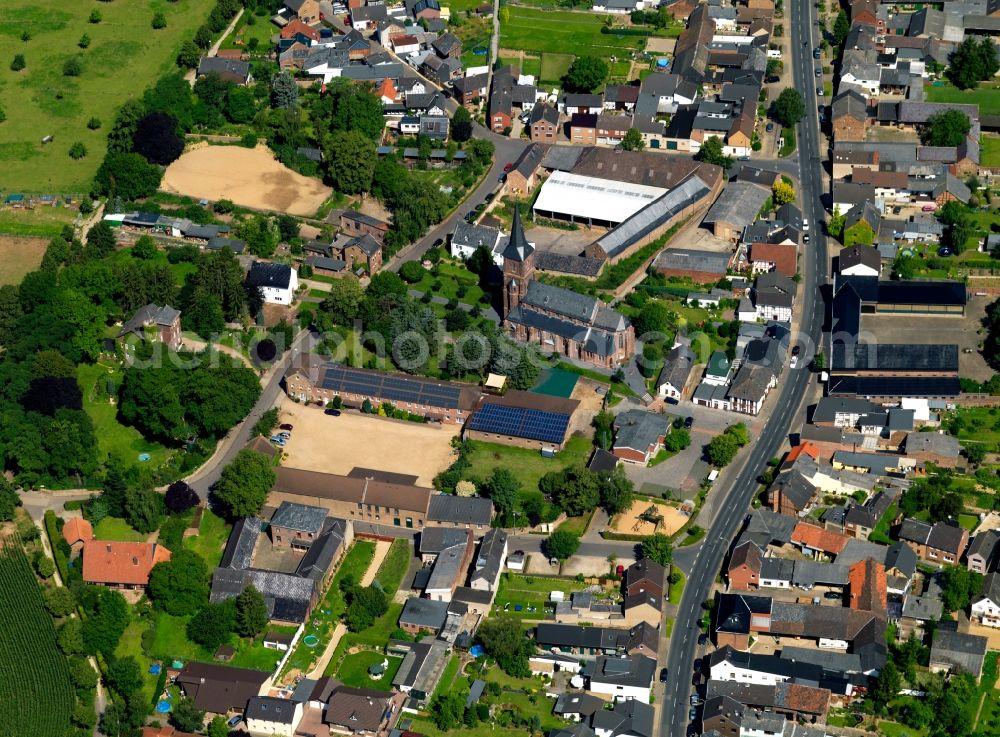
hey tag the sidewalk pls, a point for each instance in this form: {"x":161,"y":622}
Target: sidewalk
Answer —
{"x":381,"y":550}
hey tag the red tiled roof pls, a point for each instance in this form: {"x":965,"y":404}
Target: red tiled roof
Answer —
{"x":121,"y":563}
{"x":819,"y":538}
{"x":296,"y":26}
{"x":77,"y":529}
{"x":810,"y":449}
{"x":781,"y":255}
{"x":867,"y":586}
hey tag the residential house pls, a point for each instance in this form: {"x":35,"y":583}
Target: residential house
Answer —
{"x":737,"y":206}
{"x":447,"y":45}
{"x":121,"y":565}
{"x":357,"y":711}
{"x":982,"y":556}
{"x":268,"y":715}
{"x":544,"y":123}
{"x":296,"y":526}
{"x":424,"y":9}
{"x":76,"y":532}
{"x":985,"y":608}
{"x":639,"y":435}
{"x":645,"y":577}
{"x":470,"y":88}
{"x":859,"y":261}
{"x":423,"y":615}
{"x":357,"y":223}
{"x":957,"y":652}
{"x":932,"y":447}
{"x":470,"y":236}
{"x":773,"y":297}
{"x":676,"y":371}
{"x":583,"y":129}
{"x":942,"y":542}
{"x":779,"y":257}
{"x":368,"y":17}
{"x":229,"y":70}
{"x":611,"y":129}
{"x":521,"y":179}
{"x":277,"y":282}
{"x":620,"y":97}
{"x":307,"y":11}
{"x":621,"y":678}
{"x":161,"y":323}
{"x":862,"y":224}
{"x":220,"y":689}
{"x":489,"y":562}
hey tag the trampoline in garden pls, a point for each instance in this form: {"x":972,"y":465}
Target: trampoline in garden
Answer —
{"x":480,"y":51}
{"x":310,"y":641}
{"x":163,"y":706}
{"x":154,"y":669}
{"x":477,"y":651}
{"x":143,"y":457}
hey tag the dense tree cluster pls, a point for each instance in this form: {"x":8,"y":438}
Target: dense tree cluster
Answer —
{"x":585,"y":74}
{"x":244,"y":484}
{"x":934,"y":495}
{"x":578,"y":490}
{"x":947,"y":128}
{"x":722,"y":449}
{"x":504,"y":641}
{"x":974,"y":61}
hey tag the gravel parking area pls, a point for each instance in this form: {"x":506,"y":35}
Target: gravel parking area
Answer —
{"x":339,"y":444}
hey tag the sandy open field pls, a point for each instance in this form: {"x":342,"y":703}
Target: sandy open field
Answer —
{"x":338,"y":444}
{"x":251,"y":177}
{"x":629,"y":523}
{"x":18,"y":256}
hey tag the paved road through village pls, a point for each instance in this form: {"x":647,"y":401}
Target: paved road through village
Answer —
{"x":738,"y":489}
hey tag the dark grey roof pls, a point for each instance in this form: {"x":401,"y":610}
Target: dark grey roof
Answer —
{"x":217,"y":243}
{"x":240,"y":545}
{"x":794,"y":487}
{"x":473,"y":235}
{"x":959,"y":651}
{"x":895,"y":386}
{"x":151,"y":314}
{"x":299,"y":517}
{"x":690,"y":259}
{"x":568,"y":264}
{"x":270,"y":709}
{"x":518,"y":248}
{"x":420,"y":612}
{"x":326,"y":263}
{"x":635,"y":670}
{"x":894,"y":357}
{"x":827,"y":408}
{"x":577,"y":702}
{"x":638,"y":430}
{"x":223,"y":67}
{"x":627,"y":717}
{"x":544,"y":112}
{"x":288,"y":596}
{"x":491,"y":555}
{"x":677,"y":367}
{"x":561,"y":301}
{"x":321,"y":554}
{"x":276,"y":276}
{"x":592,"y":340}
{"x":738,"y":204}
{"x":435,"y":539}
{"x":459,"y":509}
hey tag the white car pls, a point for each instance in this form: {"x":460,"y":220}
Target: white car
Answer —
{"x":794,"y":362}
{"x":805,"y":225}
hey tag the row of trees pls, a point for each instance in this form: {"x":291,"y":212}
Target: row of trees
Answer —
{"x":722,"y":449}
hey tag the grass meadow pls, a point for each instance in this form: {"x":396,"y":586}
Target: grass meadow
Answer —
{"x":562,"y":32}
{"x":124,"y":57}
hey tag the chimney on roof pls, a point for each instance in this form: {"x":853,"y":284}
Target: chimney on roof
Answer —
{"x":109,"y":547}
{"x":135,"y":561}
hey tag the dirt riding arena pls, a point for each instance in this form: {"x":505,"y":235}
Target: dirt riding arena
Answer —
{"x":630,"y":522}
{"x":250,"y":177}
{"x":329,"y":444}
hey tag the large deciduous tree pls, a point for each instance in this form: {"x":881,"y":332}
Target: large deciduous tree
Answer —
{"x":585,"y":74}
{"x":179,"y":586}
{"x":350,"y":158}
{"x":789,"y":108}
{"x":504,"y":641}
{"x":156,"y":138}
{"x":242,"y":489}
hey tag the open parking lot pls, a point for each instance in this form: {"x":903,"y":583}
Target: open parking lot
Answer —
{"x":338,"y":444}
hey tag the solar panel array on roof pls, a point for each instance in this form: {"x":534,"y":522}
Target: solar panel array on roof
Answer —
{"x":532,"y":424}
{"x":392,"y":388}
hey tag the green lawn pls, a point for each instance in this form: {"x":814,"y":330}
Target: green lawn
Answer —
{"x":131,"y":644}
{"x":528,"y":465}
{"x":553,"y":67}
{"x":576,"y":525}
{"x":448,"y":676}
{"x":975,"y":423}
{"x":789,"y":148}
{"x":393,"y":568}
{"x":530,"y":592}
{"x":262,"y":29}
{"x":114,"y":440}
{"x":532,"y":65}
{"x":451,"y":276}
{"x":676,"y":589}
{"x":987,"y":96}
{"x":562,"y":32}
{"x":968,"y":521}
{"x":124,"y":57}
{"x":328,"y":612}
{"x":170,"y":642}
{"x":113,"y":528}
{"x":42,"y":221}
{"x":989,"y":150}
{"x":211,"y":538}
{"x":353,"y":670}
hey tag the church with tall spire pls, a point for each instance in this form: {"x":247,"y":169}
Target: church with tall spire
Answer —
{"x":559,"y":320}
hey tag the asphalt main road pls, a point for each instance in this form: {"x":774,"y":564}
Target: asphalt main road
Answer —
{"x":205,"y":477}
{"x":738,"y":490}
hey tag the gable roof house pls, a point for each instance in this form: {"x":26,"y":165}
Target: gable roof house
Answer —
{"x":489,"y":562}
{"x":277,"y":282}
{"x":220,"y":689}
{"x":629,"y":678}
{"x":357,"y":711}
{"x":645,"y":576}
{"x":165,"y":321}
{"x":229,"y":70}
{"x":122,"y":565}
{"x":986,"y":606}
{"x":677,"y":367}
{"x":942,"y":542}
{"x":981,"y":557}
{"x":957,"y":652}
{"x":639,"y":435}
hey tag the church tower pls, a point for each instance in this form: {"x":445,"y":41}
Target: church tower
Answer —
{"x":518,"y":265}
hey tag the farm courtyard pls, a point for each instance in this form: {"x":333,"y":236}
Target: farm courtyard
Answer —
{"x":339,"y":444}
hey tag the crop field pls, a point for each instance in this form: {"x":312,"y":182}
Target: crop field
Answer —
{"x":124,"y":56}
{"x":561,"y":32}
{"x":36,"y":687}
